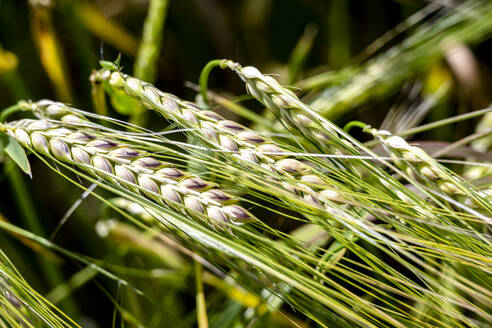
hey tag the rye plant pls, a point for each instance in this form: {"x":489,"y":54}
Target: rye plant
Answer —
{"x":268,"y":209}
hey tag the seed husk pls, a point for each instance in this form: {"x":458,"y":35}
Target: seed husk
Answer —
{"x":238,"y":141}
{"x":152,"y":177}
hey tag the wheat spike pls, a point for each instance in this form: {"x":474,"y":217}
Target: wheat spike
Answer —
{"x":295,"y":115}
{"x":417,"y":164}
{"x":235,"y":140}
{"x":270,"y":93}
{"x":49,"y":109}
{"x":133,"y":169}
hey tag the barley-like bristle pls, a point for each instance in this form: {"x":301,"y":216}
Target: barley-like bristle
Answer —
{"x":131,"y":168}
{"x":236,"y":140}
{"x":418,"y":164}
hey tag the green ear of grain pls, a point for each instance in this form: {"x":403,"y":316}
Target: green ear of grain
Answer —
{"x":119,"y":163}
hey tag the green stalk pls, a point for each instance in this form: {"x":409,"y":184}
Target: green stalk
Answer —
{"x":79,"y":279}
{"x":8,"y":111}
{"x":339,"y":20}
{"x":300,"y":53}
{"x":201,"y":307}
{"x":46,"y":243}
{"x":450,"y":120}
{"x":204,"y":74}
{"x":148,"y":52}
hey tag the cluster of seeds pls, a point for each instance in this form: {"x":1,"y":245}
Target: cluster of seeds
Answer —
{"x":417,"y":164}
{"x":295,"y":114}
{"x":270,"y":93}
{"x":234,"y":139}
{"x":48,"y":109}
{"x":134,"y":169}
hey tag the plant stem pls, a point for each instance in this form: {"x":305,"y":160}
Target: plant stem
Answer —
{"x":201,"y":307}
{"x":300,"y":53}
{"x":203,"y":80}
{"x":339,"y":20}
{"x":462,"y":142}
{"x":8,"y":111}
{"x":450,"y":120}
{"x":148,"y":53}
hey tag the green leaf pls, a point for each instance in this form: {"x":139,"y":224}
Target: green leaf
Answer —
{"x":122,"y":103}
{"x":12,"y":148}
